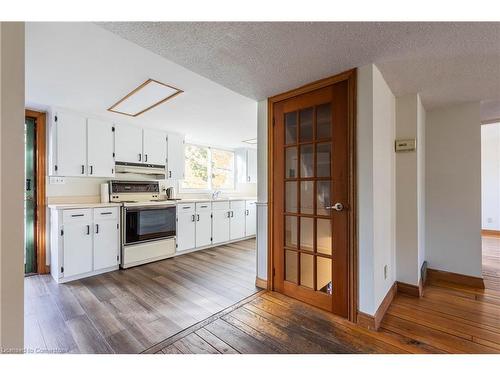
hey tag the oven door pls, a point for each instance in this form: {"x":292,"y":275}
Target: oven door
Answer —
{"x":148,"y":223}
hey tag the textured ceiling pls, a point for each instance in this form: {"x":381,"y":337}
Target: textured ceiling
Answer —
{"x":446,"y":62}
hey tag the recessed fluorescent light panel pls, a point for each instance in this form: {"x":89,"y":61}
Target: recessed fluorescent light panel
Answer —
{"x":145,"y":97}
{"x":252,"y":141}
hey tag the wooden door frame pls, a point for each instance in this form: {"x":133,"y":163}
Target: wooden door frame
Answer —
{"x":352,"y":237}
{"x":41,"y":197}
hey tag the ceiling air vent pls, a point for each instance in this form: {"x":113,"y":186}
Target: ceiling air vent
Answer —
{"x":145,"y":97}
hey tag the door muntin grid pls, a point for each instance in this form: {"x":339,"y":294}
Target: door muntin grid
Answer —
{"x":308,"y":255}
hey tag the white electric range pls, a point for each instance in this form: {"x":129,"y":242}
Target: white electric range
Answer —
{"x":148,"y":222}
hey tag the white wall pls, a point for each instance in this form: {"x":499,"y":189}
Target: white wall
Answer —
{"x":490,"y":176}
{"x":410,"y":246}
{"x":376,"y":182}
{"x":453,"y":189}
{"x":11,"y":185}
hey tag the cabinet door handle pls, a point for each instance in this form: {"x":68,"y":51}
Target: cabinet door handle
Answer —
{"x":247,"y":212}
{"x":232,"y":213}
{"x":197,"y":217}
{"x":88,"y":229}
{"x":83,"y":169}
{"x":91,"y":169}
{"x":146,"y":158}
{"x":192,"y":217}
{"x":76,"y":215}
{"x":228,"y":213}
{"x":140,"y":157}
{"x":169,"y":174}
{"x":97,"y":228}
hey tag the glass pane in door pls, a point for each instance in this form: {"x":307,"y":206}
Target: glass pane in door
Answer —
{"x":306,"y":197}
{"x":323,"y":121}
{"x":323,"y":198}
{"x":323,"y":159}
{"x":306,"y":233}
{"x":306,"y":161}
{"x":324,"y":275}
{"x":291,"y":162}
{"x":291,"y":266}
{"x":324,"y":236}
{"x":306,"y":125}
{"x":291,"y":231}
{"x":306,"y":270}
{"x":291,"y":196}
{"x":290,"y":128}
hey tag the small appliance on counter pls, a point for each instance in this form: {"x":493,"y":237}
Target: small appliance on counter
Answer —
{"x":148,"y":222}
{"x":170,"y":192}
{"x":104,"y":193}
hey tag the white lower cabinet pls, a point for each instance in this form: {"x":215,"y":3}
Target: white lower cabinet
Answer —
{"x":203,"y":224}
{"x":220,"y":222}
{"x":106,"y":238}
{"x":237,"y":220}
{"x":77,"y":242}
{"x":251,"y":218}
{"x":186,"y":227}
{"x":84,"y":242}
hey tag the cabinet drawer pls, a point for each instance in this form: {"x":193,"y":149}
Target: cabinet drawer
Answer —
{"x":77,"y":215}
{"x":185,"y":207}
{"x":220,"y":205}
{"x":237,"y":205}
{"x":106,"y":213}
{"x":203,"y":206}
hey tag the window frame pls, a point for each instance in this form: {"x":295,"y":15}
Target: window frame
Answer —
{"x":209,"y":170}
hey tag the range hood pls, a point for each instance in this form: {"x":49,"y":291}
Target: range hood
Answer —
{"x":156,"y":172}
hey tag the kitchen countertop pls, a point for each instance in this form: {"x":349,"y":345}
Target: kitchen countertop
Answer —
{"x":195,"y":200}
{"x":65,"y":206}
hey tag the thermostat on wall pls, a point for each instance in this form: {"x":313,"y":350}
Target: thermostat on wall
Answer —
{"x":405,"y":145}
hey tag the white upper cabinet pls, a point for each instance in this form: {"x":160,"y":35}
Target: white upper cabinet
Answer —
{"x":246,"y":165}
{"x":128,"y":144}
{"x":175,"y":156}
{"x":251,"y":165}
{"x":100,"y":145}
{"x":71,"y":144}
{"x":154,"y":147}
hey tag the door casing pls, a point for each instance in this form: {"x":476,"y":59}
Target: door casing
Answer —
{"x":41,"y":199}
{"x":352,"y":239}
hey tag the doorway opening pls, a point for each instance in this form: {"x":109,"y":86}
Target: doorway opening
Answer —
{"x":312,"y":232}
{"x":34,"y":193}
{"x":490,"y":198}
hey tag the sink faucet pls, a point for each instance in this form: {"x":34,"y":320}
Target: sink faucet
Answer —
{"x":216,"y":194}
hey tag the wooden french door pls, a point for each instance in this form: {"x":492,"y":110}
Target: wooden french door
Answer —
{"x":310,"y":197}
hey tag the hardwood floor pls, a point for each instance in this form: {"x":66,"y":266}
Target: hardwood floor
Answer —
{"x":206,"y":302}
{"x":129,"y":311}
{"x":448,"y":319}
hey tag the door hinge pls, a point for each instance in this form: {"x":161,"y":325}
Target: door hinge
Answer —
{"x":113,"y":154}
{"x":55,"y":118}
{"x":112,"y":128}
{"x":62,"y":269}
{"x":62,"y":232}
{"x":117,"y":226}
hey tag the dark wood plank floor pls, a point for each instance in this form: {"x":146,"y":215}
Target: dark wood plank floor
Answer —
{"x":448,"y":319}
{"x":128,"y":311}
